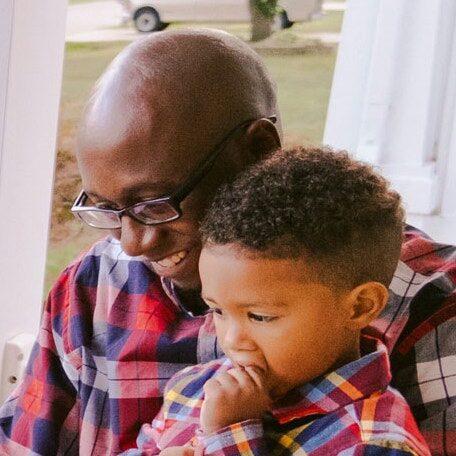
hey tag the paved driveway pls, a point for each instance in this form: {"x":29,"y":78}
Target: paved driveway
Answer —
{"x":97,"y":21}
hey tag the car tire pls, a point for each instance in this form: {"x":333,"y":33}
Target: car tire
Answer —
{"x":147,"y":20}
{"x":282,"y":21}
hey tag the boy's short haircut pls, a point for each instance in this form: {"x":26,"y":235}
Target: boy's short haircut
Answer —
{"x":318,"y":204}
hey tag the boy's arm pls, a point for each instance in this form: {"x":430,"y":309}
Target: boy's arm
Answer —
{"x":242,"y":438}
{"x":247,"y":438}
{"x":234,"y":403}
{"x":382,"y":449}
{"x":166,"y":436}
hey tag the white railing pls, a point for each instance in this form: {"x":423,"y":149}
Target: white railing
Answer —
{"x":393,"y":96}
{"x":31,"y":57}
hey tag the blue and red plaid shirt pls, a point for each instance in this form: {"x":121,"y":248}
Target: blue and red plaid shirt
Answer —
{"x":112,"y":335}
{"x":351,"y":411}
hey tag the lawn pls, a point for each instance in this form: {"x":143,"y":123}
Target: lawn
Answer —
{"x":303,"y":86}
{"x":330,"y":22}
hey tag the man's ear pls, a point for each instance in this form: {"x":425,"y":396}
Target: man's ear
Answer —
{"x":261,"y":139}
{"x":365,"y":302}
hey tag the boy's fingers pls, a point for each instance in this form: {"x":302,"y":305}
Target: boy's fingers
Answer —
{"x":256,"y":375}
{"x":222,"y":384}
{"x":242,"y":377}
{"x":228,"y":382}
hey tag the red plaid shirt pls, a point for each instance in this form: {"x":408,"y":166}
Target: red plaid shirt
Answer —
{"x":350,"y":411}
{"x":111,"y":338}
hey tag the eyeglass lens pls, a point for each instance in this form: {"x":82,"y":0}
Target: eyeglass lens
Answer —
{"x":148,"y":213}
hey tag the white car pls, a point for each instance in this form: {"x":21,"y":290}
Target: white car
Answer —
{"x":155,"y":15}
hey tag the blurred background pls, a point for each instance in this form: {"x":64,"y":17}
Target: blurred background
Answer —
{"x":301,"y":59}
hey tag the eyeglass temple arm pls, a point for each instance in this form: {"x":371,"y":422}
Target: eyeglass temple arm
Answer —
{"x":195,"y":178}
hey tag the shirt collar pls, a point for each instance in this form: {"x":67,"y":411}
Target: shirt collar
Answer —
{"x":172,"y":293}
{"x":354,"y":381}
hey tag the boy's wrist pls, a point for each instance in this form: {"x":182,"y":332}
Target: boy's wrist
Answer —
{"x":254,"y":425}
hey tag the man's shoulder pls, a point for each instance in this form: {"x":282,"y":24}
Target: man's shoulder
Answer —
{"x":429,"y":258}
{"x":424,"y":283}
{"x":103,"y":278}
{"x":104,"y":263}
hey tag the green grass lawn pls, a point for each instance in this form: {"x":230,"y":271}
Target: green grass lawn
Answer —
{"x":303,"y":87}
{"x":330,"y":22}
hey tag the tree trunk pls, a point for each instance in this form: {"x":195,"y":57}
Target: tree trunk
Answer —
{"x":261,"y":25}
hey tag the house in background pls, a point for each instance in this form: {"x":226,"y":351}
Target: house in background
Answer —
{"x":392,"y":103}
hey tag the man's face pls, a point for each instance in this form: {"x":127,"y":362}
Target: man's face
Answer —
{"x":271,"y":315}
{"x":124,"y":162}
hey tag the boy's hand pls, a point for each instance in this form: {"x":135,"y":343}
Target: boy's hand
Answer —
{"x":237,"y":395}
{"x":178,"y":451}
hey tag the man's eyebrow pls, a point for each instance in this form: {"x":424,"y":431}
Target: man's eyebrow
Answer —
{"x":138,"y":191}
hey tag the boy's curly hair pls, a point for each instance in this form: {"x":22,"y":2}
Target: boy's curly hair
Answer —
{"x":318,"y":204}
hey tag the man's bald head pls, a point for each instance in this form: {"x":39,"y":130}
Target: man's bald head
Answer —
{"x":210,"y":78}
{"x":162,"y":107}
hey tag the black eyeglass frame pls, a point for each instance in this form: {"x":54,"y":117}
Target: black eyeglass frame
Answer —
{"x":175,"y":198}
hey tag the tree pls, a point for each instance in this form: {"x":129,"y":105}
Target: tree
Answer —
{"x":262,"y":14}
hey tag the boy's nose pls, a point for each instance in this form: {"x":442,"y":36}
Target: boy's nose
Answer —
{"x":136,"y":238}
{"x":236,"y":338}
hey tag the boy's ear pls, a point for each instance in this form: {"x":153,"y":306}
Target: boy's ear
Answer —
{"x":261,"y":139}
{"x":365,"y":302}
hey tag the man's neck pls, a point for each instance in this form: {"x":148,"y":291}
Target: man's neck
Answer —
{"x":191,"y":300}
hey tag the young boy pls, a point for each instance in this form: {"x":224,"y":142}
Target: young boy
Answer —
{"x":298,"y":254}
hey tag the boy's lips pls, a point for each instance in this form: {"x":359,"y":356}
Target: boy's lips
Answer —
{"x":253,"y":365}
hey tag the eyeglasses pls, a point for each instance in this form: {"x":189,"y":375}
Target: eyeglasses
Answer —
{"x":156,"y":210}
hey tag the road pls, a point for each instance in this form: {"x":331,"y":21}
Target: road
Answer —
{"x":97,"y":21}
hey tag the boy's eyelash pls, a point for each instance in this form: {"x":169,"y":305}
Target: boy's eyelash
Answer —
{"x":252,"y":316}
{"x":261,"y":318}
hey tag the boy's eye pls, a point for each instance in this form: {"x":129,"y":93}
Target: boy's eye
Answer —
{"x":261,"y":318}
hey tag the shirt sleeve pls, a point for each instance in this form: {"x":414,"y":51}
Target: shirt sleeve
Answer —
{"x":165,"y":432}
{"x":42,"y":414}
{"x":246,"y":437}
{"x":381,"y":448}
{"x":148,"y":438}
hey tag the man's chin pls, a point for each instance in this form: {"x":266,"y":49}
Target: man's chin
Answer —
{"x":184,"y":274}
{"x":188,"y":286}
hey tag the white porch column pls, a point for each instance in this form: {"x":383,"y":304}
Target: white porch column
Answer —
{"x":393,"y":96}
{"x":31,"y":56}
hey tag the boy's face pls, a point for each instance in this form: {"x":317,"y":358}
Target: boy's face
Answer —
{"x":272,"y":315}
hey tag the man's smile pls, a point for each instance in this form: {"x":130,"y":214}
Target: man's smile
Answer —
{"x":171,"y":260}
{"x":179,"y":266}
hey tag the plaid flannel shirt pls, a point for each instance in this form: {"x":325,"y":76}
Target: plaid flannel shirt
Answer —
{"x":111,"y":337}
{"x":350,"y":411}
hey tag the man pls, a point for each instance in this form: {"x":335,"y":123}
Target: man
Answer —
{"x":175,"y":116}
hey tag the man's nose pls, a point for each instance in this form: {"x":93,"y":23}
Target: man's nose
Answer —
{"x":236,"y":338}
{"x":136,"y":238}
